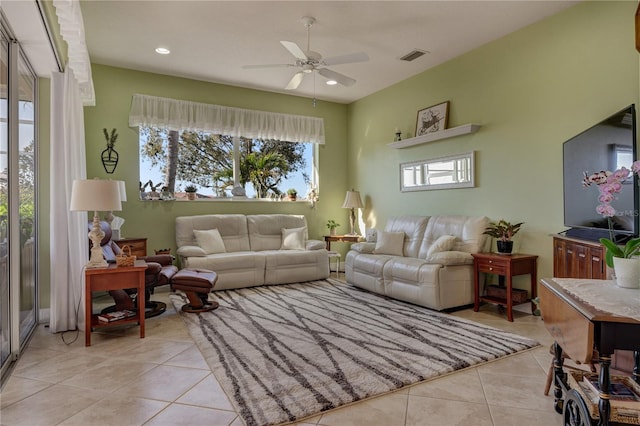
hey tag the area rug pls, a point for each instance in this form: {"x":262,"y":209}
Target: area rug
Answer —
{"x":285,"y":352}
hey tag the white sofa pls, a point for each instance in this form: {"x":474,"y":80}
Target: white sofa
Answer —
{"x":420,"y":259}
{"x":251,"y":251}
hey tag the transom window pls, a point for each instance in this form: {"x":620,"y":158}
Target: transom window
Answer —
{"x":221,"y":166}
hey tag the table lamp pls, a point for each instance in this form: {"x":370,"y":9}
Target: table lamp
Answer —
{"x":97,"y":195}
{"x":352,"y":201}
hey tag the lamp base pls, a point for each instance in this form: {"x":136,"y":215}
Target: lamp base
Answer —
{"x":96,"y":235}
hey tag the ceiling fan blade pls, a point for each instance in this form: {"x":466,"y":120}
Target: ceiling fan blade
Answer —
{"x":251,"y":67}
{"x":346,"y":59}
{"x":340,"y":78}
{"x":295,"y":50}
{"x":295,"y":81}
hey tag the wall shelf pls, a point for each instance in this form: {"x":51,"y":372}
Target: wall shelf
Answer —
{"x":436,"y":136}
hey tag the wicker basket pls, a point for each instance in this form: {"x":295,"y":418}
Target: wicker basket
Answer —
{"x":125,"y":259}
{"x":629,"y":414}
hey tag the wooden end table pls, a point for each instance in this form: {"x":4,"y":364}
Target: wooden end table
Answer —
{"x":113,"y":278}
{"x":346,"y":238}
{"x":507,"y":266}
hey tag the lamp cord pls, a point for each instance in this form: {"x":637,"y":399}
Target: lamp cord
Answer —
{"x":77,"y":314}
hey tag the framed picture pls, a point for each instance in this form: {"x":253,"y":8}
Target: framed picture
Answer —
{"x":432,"y":119}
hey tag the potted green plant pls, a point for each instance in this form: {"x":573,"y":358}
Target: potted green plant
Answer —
{"x":191,"y":192}
{"x":332,"y":225}
{"x":292,"y":193}
{"x":503,"y":232}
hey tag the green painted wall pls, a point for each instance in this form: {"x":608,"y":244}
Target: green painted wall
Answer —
{"x":114,"y":88}
{"x":530,"y":91}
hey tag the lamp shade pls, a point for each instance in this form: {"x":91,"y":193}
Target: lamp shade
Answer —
{"x":95,"y":195}
{"x":123,"y":190}
{"x":352,"y":200}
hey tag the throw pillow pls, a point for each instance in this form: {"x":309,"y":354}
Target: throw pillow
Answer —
{"x":443,"y":243}
{"x":293,"y":238}
{"x":210,"y":241}
{"x":390,"y":243}
{"x":371,"y":235}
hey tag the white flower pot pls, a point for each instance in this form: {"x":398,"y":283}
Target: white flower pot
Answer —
{"x":627,"y":272}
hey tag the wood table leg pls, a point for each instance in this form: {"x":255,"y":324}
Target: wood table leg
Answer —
{"x":476,"y":287}
{"x":604,"y":381}
{"x":636,"y":366}
{"x":558,"y":373}
{"x":509,"y":297}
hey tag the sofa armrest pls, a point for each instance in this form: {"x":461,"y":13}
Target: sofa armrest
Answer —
{"x":315,"y":245}
{"x":451,"y":258}
{"x":191,"y":251}
{"x":363,"y":247}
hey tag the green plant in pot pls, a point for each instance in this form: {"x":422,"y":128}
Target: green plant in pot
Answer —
{"x":191,"y":192}
{"x":503,"y":232}
{"x":292,"y":193}
{"x":332,"y":225}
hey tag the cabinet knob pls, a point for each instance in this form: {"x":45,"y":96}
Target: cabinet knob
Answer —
{"x":570,"y":251}
{"x":582,"y":255}
{"x":490,"y":261}
{"x":491,"y":269}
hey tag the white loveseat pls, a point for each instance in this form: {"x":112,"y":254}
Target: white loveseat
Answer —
{"x":420,"y":259}
{"x":251,"y":250}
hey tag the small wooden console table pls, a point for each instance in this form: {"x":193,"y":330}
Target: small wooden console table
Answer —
{"x":347,"y":238}
{"x":113,"y":278}
{"x":506,"y":266}
{"x":577,"y":328}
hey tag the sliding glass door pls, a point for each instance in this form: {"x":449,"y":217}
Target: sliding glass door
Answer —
{"x":18,"y":142}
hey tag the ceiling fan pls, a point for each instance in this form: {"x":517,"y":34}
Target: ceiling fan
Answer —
{"x":309,"y":61}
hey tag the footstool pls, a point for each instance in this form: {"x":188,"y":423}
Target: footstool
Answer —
{"x":197,"y":284}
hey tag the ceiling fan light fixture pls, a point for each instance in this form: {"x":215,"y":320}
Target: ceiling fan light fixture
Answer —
{"x":331,"y":82}
{"x":162,"y":51}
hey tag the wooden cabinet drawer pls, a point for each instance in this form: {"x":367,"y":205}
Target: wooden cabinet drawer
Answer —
{"x":138,"y":246}
{"x":492,"y":266}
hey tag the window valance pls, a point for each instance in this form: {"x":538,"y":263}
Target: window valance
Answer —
{"x":177,"y":114}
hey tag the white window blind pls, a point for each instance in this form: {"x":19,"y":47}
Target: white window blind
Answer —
{"x":174,"y":114}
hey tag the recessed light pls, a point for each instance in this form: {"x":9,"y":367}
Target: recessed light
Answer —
{"x":163,"y":50}
{"x":332,"y":82}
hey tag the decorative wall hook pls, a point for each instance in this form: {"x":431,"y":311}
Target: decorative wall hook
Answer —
{"x":110,"y":155}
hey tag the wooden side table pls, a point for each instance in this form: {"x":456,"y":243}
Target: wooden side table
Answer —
{"x":346,"y":238}
{"x":507,"y":266}
{"x":113,"y":278}
{"x":138,"y":246}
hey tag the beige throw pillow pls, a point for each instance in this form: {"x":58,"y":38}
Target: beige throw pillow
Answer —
{"x":293,"y":238}
{"x":210,"y":241}
{"x":443,"y":243}
{"x":390,"y":243}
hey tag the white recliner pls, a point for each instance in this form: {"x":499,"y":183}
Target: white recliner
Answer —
{"x":431,"y":266}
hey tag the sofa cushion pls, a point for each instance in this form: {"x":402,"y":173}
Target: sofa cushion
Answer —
{"x":210,"y":241}
{"x":293,"y":238}
{"x":413,"y":228}
{"x":390,"y":243}
{"x":265,"y":230}
{"x":443,"y":243}
{"x":451,"y":258}
{"x":232,"y":228}
{"x":468,"y":230}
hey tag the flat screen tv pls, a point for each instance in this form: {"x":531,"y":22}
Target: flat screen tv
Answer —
{"x":608,"y":145}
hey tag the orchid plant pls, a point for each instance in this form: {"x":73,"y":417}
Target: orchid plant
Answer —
{"x":609,"y":184}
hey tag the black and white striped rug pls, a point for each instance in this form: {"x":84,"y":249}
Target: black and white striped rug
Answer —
{"x":286,"y":352}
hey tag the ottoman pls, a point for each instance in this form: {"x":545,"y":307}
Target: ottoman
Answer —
{"x":196,"y":283}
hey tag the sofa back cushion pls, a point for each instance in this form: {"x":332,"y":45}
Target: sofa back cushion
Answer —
{"x":232,"y":229}
{"x":265,"y":230}
{"x":413,"y":228}
{"x":467,"y":230}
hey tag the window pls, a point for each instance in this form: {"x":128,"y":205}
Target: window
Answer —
{"x":215,"y":164}
{"x":456,"y":171}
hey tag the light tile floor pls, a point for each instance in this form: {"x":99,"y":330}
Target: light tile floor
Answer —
{"x":164,"y":380}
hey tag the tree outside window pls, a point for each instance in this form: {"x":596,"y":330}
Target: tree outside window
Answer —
{"x":266,"y":168}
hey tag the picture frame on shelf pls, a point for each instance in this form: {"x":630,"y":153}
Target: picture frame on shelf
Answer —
{"x":432,"y":119}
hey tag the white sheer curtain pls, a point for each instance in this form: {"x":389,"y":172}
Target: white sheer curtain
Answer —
{"x":176,"y":114}
{"x":69,"y":244}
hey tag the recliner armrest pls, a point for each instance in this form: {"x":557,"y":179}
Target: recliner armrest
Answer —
{"x":162,"y":259}
{"x":191,"y":251}
{"x":451,"y":258}
{"x":315,"y":245}
{"x":363,"y":247}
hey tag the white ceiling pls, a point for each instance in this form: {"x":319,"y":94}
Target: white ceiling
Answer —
{"x":212,"y":40}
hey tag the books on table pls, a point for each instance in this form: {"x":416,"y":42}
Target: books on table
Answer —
{"x":116,"y":315}
{"x":624,"y":394}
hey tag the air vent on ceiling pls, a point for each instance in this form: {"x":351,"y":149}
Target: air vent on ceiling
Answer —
{"x":413,"y":55}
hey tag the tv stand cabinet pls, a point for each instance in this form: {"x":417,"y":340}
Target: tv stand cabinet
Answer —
{"x":576,"y":258}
